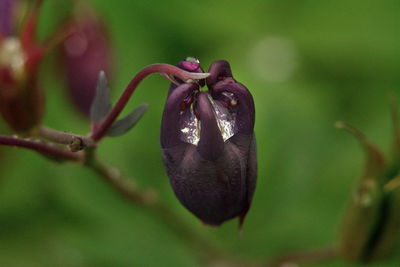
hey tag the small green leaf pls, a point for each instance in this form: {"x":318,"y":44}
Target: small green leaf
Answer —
{"x":375,"y":164}
{"x":362,"y":216}
{"x":122,"y":126}
{"x":101,"y":105}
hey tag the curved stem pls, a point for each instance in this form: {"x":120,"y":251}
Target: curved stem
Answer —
{"x":351,"y":129}
{"x":100,"y":130}
{"x":40,"y":147}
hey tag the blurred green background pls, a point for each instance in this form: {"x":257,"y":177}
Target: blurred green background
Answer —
{"x":307,"y":64}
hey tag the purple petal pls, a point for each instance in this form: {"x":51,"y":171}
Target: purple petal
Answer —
{"x":221,"y":81}
{"x":171,"y":122}
{"x":211,"y":144}
{"x":218,"y":69}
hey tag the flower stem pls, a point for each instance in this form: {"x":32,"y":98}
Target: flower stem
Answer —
{"x":41,"y":147}
{"x":125,"y":187}
{"x":100,"y":130}
{"x":29,"y":28}
{"x":205,"y":251}
{"x":146,"y":199}
{"x":75,"y":142}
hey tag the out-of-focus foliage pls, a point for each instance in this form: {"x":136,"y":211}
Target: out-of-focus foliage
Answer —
{"x":307,"y":64}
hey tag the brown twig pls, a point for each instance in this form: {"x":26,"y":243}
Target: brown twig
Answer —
{"x":145,"y":199}
{"x":125,"y":187}
{"x":40,"y":147}
{"x":75,"y":142}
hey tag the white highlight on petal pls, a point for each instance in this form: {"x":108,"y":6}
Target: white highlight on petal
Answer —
{"x":190,"y":131}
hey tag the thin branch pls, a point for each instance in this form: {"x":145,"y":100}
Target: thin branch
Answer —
{"x":124,"y":187}
{"x":75,"y":142}
{"x":100,"y":130}
{"x":148,"y":201}
{"x":40,"y":147}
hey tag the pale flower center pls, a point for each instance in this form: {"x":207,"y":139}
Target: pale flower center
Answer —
{"x":13,"y":57}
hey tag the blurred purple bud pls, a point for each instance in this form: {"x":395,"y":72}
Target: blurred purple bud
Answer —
{"x":85,"y":53}
{"x":209,"y":147}
{"x":21,"y":98}
{"x":6,"y":17}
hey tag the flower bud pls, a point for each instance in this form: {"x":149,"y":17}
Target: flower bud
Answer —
{"x":21,"y":100}
{"x":209,"y":147}
{"x":86,"y":52}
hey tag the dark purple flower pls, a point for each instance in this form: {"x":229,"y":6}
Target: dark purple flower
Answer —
{"x":209,"y":147}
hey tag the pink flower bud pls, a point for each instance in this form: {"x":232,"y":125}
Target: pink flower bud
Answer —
{"x":86,"y":52}
{"x":21,"y":100}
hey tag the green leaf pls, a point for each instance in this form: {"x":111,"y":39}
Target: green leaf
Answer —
{"x":122,"y":126}
{"x":364,"y":209}
{"x":101,"y":105}
{"x":375,"y":164}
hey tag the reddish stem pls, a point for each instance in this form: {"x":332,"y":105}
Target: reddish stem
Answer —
{"x":40,"y":147}
{"x":100,"y":130}
{"x":28,"y":34}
